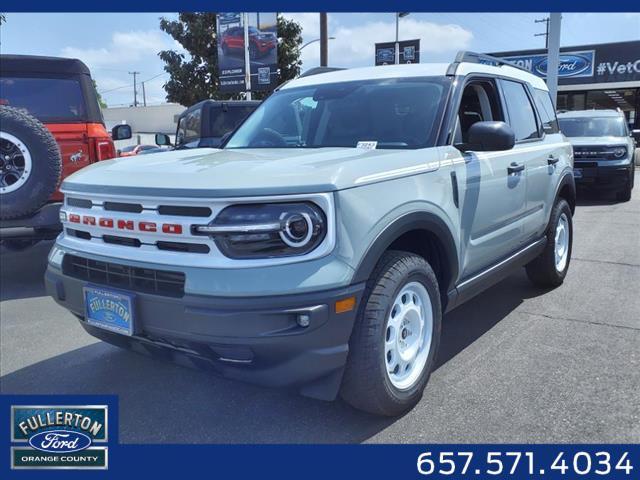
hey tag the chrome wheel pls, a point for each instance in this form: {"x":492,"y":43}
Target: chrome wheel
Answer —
{"x":15,"y":163}
{"x":562,"y":242}
{"x":408,"y":336}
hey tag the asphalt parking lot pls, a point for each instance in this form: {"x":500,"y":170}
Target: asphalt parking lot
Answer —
{"x":517,"y":364}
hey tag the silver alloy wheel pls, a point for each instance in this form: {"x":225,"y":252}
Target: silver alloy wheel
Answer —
{"x":15,"y":163}
{"x":408,"y":336}
{"x":562,"y":242}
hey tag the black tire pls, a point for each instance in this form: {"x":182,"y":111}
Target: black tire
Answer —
{"x":15,"y":246}
{"x":624,"y":195}
{"x":542,"y":271}
{"x":365,"y":384}
{"x":46,"y":163}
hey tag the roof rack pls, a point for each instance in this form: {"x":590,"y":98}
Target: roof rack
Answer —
{"x":318,"y":70}
{"x":473,"y":57}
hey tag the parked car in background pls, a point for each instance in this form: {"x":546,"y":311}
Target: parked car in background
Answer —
{"x":260,"y":43}
{"x":205,"y":123}
{"x":603,"y":150}
{"x":50,"y":127}
{"x":133,"y":150}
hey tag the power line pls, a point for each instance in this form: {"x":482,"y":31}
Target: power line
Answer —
{"x":114,"y":89}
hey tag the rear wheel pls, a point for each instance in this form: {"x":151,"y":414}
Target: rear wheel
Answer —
{"x":551,"y":266}
{"x":396,"y":336}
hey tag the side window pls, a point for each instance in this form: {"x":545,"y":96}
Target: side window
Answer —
{"x":192,"y":125}
{"x":521,"y":115}
{"x":180,"y":134}
{"x":479,"y":103}
{"x":546,"y":111}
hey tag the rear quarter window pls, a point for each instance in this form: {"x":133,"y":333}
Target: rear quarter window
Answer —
{"x":47,"y":99}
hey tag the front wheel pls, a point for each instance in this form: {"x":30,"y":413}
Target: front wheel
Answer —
{"x":551,"y":266}
{"x":396,"y":336}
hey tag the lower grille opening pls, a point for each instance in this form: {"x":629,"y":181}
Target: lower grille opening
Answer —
{"x":145,"y":280}
{"x":183,"y":247}
{"x":126,"y":241}
{"x":79,"y":234}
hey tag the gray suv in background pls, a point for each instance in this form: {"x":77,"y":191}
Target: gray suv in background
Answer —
{"x":603,"y":150}
{"x":320,"y":248}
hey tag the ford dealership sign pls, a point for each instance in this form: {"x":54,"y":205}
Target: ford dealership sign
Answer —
{"x":572,"y":64}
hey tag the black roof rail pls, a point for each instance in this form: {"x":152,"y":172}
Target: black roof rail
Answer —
{"x":318,"y":70}
{"x":473,"y":57}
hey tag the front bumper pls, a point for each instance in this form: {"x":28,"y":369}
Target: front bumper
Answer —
{"x":594,"y":175}
{"x":255,"y":339}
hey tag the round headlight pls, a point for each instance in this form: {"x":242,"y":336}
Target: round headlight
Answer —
{"x":297,"y":230}
{"x":619,"y":152}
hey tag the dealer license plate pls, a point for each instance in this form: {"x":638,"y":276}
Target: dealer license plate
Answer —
{"x":109,"y":309}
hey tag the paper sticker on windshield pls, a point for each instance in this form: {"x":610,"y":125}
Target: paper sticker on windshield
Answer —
{"x":370,"y":145}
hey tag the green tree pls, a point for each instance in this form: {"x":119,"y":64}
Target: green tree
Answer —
{"x":101,"y":102}
{"x":194,"y":77}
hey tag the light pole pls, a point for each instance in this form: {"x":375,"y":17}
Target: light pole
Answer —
{"x":399,"y":15}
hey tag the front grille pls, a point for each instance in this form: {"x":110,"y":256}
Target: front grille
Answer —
{"x":122,"y":207}
{"x":596,"y":152}
{"x":145,"y":280}
{"x":184,"y":211}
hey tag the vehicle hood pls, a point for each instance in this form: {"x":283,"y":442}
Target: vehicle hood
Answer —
{"x":247,"y":172}
{"x":586,"y":141}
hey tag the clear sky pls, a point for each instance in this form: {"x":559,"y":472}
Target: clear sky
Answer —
{"x":113,"y":44}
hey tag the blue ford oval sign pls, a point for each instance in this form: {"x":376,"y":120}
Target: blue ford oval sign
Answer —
{"x":60,"y":441}
{"x":570,"y":65}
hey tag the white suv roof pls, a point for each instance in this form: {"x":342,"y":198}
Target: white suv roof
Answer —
{"x":590,"y":113}
{"x":462,"y":68}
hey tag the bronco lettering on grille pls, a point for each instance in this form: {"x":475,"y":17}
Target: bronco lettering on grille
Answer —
{"x":130,"y":225}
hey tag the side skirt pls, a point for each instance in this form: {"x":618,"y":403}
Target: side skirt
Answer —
{"x":481,"y":281}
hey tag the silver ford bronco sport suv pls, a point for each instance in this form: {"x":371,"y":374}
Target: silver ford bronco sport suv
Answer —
{"x":603,"y":149}
{"x":319,"y":249}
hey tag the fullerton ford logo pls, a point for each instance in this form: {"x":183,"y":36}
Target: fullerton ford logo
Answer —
{"x":62,"y":441}
{"x":59,"y":436}
{"x":570,"y":65}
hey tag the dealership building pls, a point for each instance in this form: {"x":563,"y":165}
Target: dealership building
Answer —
{"x":591,"y":76}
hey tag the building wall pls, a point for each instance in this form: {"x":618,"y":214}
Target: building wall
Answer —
{"x":151,"y":119}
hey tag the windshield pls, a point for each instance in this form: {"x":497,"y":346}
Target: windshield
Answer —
{"x":47,"y":99}
{"x":392,"y":113}
{"x":593,"y":127}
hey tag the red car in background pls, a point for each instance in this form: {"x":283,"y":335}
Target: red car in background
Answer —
{"x":133,"y":150}
{"x":260,"y":43}
{"x":50,"y":127}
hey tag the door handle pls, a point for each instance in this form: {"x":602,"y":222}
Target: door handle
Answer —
{"x":515,"y":168}
{"x":552,"y":160}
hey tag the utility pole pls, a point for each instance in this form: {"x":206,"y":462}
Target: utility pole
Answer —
{"x":144,"y":95}
{"x":324,"y":40}
{"x":546,"y":32}
{"x":399,"y":15}
{"x":247,"y":59}
{"x":135,"y":88}
{"x":553,"y":55}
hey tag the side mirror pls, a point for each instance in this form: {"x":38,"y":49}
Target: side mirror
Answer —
{"x":121,"y":132}
{"x":490,"y":137}
{"x":162,"y":139}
